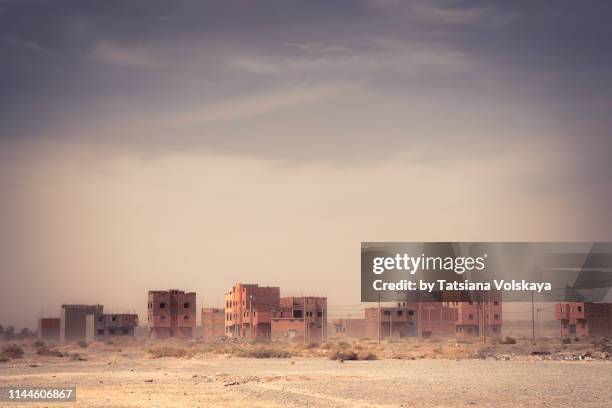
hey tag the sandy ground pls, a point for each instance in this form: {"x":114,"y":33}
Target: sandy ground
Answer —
{"x":132,"y":379}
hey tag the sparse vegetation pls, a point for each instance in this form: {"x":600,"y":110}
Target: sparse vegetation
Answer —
{"x":170,"y":351}
{"x":48,"y":352}
{"x":12,"y":351}
{"x":507,"y":340}
{"x":264,"y":353}
{"x":82,"y":344}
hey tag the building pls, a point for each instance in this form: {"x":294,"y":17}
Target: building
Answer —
{"x":391,"y":321}
{"x":348,"y":328}
{"x":436,"y":320}
{"x":410,"y":319}
{"x":111,"y":325}
{"x":171,"y":313}
{"x":302,"y":318}
{"x":213,"y":323}
{"x":580,"y":319}
{"x":474,"y":319}
{"x":49,"y":328}
{"x":248,"y":311}
{"x":73,"y":321}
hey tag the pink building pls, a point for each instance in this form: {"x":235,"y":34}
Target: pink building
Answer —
{"x":584,"y":319}
{"x":348,"y":328}
{"x":213,"y":323}
{"x":248,"y":310}
{"x":473,"y":318}
{"x":171,"y":313}
{"x":300,"y":318}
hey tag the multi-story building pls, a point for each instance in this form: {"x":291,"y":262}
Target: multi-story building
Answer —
{"x":248,"y":310}
{"x":213,"y":323}
{"x":122,"y":324}
{"x":474,"y":319}
{"x":584,"y":319}
{"x":73,"y":321}
{"x":348,"y":328}
{"x":410,"y":319}
{"x":436,"y":320}
{"x":171,"y":313}
{"x":398,"y":320}
{"x":86,"y":322}
{"x":302,"y":318}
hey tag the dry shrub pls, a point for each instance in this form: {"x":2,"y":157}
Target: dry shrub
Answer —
{"x":12,"y":351}
{"x":263,"y":353}
{"x":77,"y":357}
{"x":507,"y":340}
{"x":82,"y":344}
{"x":49,"y":352}
{"x":566,"y":340}
{"x":342,"y":355}
{"x":168,"y":351}
{"x":38,"y":344}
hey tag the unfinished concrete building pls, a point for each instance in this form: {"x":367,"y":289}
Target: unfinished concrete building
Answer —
{"x":410,"y":319}
{"x":436,"y":320}
{"x":171,"y":313}
{"x":475,"y":319}
{"x":49,"y":328}
{"x":391,"y":321}
{"x":300,"y":318}
{"x":73,"y":321}
{"x":213,"y":323}
{"x":90,"y":323}
{"x":348,"y":328}
{"x":111,"y":325}
{"x":584,"y":319}
{"x":248,"y":310}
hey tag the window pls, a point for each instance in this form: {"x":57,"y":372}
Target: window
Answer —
{"x":580,"y":308}
{"x":186,"y":305}
{"x":387,"y":312}
{"x":400,"y":312}
{"x":471,"y":317}
{"x":496,"y":317}
{"x":100,"y":331}
{"x":162,"y":305}
{"x":114,"y":318}
{"x":319,"y":314}
{"x":411,"y":313}
{"x":186,"y":317}
{"x":496,"y":303}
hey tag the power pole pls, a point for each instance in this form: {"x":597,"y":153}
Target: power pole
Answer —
{"x":532,"y":319}
{"x":251,"y":315}
{"x":390,"y":324}
{"x":304,"y":316}
{"x":379,"y":322}
{"x":323,"y":321}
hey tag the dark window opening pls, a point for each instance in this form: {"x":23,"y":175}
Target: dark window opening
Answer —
{"x":162,"y":305}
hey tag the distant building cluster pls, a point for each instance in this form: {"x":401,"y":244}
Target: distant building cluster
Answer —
{"x":87,"y":323}
{"x":256,"y":312}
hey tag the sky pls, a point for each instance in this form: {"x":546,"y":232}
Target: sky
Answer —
{"x":193,"y":144}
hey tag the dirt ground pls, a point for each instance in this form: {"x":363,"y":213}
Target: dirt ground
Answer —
{"x":130,"y":377}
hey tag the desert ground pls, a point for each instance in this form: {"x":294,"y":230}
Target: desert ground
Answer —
{"x":436,"y":373}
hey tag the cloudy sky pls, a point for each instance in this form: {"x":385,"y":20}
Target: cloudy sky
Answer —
{"x":193,"y":144}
